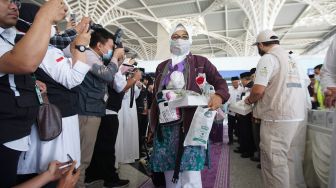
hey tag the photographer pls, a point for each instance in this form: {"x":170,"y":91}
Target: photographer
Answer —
{"x":103,"y":159}
{"x":60,"y":74}
{"x":19,"y":105}
{"x":142,"y":110}
{"x":92,"y":91}
{"x":61,"y":41}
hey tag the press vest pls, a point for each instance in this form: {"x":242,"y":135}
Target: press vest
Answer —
{"x":91,"y":96}
{"x":284,"y":95}
{"x":18,"y":108}
{"x":65,"y":99}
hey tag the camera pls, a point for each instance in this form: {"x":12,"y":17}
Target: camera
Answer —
{"x":94,"y":26}
{"x":73,"y":18}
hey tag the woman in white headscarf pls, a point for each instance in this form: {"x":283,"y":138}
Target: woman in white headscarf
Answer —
{"x":181,"y":165}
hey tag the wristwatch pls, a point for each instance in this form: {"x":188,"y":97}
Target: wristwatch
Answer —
{"x":81,"y":48}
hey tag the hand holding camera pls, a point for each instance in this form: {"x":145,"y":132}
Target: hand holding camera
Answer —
{"x":83,"y":37}
{"x":82,"y":25}
{"x":137,"y":74}
{"x":53,"y":10}
{"x":119,"y":54}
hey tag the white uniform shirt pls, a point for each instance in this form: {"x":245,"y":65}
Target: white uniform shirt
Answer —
{"x":61,"y":68}
{"x":328,"y":72}
{"x":266,"y":69}
{"x":21,"y":144}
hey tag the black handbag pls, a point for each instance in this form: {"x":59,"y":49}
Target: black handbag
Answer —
{"x":49,"y":120}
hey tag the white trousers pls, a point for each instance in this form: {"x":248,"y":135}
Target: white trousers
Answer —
{"x":187,"y":179}
{"x":296,"y":156}
{"x":276,"y":142}
{"x":41,"y":153}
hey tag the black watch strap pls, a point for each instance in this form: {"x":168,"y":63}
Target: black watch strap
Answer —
{"x":81,"y":48}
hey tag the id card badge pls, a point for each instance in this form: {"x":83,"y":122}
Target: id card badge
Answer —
{"x":167,"y":114}
{"x":38,"y":93}
{"x":37,"y":90}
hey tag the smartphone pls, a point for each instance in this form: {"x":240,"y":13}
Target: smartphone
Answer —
{"x":73,"y":18}
{"x":71,"y":161}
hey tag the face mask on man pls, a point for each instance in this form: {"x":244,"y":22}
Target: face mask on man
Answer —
{"x":108,"y":55}
{"x":179,"y":47}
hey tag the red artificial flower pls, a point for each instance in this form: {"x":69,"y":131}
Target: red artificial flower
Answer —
{"x":200,"y":80}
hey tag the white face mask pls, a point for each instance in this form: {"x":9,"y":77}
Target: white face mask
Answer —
{"x":179,"y":47}
{"x":53,"y":31}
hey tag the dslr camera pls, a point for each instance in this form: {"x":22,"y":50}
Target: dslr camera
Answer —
{"x":94,"y":26}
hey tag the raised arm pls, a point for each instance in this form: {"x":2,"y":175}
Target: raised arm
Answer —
{"x":27,"y":54}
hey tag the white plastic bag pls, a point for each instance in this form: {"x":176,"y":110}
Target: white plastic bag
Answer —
{"x":240,"y":108}
{"x":200,"y":127}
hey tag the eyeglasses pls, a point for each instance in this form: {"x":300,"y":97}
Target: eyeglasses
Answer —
{"x":16,"y":2}
{"x":176,"y":36}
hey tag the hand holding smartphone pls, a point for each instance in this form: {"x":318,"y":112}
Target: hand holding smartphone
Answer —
{"x":71,"y":162}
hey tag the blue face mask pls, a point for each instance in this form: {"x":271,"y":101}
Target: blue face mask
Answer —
{"x":108,"y":55}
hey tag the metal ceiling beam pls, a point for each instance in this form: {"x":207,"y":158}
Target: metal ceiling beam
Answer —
{"x":226,"y":22}
{"x":297,"y":18}
{"x":325,"y":42}
{"x":198,"y":6}
{"x":119,"y":13}
{"x":259,"y":13}
{"x":143,"y":27}
{"x":165,"y":5}
{"x":148,"y":9}
{"x":113,"y":3}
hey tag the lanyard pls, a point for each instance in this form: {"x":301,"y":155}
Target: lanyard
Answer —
{"x":37,"y":90}
{"x":3,"y":38}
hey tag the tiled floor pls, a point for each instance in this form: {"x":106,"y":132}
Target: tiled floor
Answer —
{"x":243,"y":172}
{"x":126,"y":171}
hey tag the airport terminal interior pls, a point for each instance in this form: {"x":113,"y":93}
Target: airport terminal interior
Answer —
{"x":230,"y":94}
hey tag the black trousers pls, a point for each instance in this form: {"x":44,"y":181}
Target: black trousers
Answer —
{"x":103,"y":158}
{"x":246,"y":134}
{"x":142,"y":125}
{"x":232,"y":123}
{"x":9,"y":159}
{"x":256,"y":135}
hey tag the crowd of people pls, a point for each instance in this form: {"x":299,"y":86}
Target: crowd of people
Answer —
{"x":106,"y":104}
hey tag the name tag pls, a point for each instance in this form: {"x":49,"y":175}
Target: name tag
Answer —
{"x":291,"y":85}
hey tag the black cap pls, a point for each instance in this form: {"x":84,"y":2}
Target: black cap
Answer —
{"x":245,"y":74}
{"x":318,"y":66}
{"x":234,"y":78}
{"x":28,"y":12}
{"x":252,"y":71}
{"x":311,"y":76}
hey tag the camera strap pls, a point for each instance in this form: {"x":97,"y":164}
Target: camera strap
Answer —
{"x":132,"y":96}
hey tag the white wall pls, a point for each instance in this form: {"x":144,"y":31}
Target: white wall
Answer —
{"x":240,"y":63}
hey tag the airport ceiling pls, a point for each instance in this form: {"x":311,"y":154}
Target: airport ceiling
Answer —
{"x":221,"y":28}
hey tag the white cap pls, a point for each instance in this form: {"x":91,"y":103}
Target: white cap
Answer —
{"x":266,"y":36}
